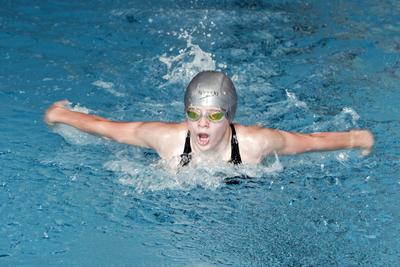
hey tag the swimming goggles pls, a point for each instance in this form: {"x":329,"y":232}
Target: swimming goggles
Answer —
{"x":213,"y":116}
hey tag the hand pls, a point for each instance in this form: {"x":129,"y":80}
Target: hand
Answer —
{"x":53,"y":113}
{"x":364,"y":140}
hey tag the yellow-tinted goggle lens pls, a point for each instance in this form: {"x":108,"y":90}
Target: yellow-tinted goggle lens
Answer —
{"x":193,"y":115}
{"x":215,"y":116}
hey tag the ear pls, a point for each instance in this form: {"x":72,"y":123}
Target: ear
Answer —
{"x":228,"y":116}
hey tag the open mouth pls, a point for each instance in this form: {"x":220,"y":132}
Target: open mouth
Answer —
{"x":203,"y":139}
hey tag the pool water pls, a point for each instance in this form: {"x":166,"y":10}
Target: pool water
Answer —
{"x":69,"y":198}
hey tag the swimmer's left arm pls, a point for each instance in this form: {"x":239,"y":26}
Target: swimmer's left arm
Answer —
{"x":295,"y":143}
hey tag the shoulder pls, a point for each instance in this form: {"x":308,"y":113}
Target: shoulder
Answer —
{"x":165,"y":138}
{"x":153,"y":128}
{"x":256,"y":133}
{"x":164,"y":127}
{"x":168,"y":138}
{"x":255,"y":142}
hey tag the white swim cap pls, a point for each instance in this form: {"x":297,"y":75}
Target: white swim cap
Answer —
{"x":212,"y":89}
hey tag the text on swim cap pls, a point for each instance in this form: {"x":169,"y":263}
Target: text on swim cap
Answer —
{"x":207,"y":93}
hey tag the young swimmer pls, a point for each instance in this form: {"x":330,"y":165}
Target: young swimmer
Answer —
{"x":208,"y":133}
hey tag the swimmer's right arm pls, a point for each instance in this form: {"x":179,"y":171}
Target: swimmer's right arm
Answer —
{"x":133,"y":133}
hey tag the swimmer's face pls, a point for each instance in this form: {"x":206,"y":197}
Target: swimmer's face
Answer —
{"x":208,"y":129}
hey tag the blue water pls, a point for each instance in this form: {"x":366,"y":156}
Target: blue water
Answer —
{"x":68,"y":198}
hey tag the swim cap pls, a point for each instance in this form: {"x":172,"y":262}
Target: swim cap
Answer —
{"x":212,"y":89}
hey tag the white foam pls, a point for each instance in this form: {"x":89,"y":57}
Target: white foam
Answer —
{"x":79,"y":108}
{"x":293,"y":100}
{"x":102,"y":84}
{"x":108,"y":86}
{"x":342,"y":157}
{"x":165,"y":175}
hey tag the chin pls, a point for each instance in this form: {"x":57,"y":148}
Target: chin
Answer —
{"x":205,"y":148}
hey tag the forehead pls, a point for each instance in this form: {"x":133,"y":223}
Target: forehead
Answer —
{"x":205,"y":108}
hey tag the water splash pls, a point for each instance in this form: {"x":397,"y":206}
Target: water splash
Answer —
{"x":292,"y":99}
{"x":159,"y":176}
{"x":74,"y":136}
{"x":354,"y":115}
{"x":108,"y":86}
{"x":189,"y":61}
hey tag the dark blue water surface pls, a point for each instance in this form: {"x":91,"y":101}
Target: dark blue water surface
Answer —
{"x":68,"y":198}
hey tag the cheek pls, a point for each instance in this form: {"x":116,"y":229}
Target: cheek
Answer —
{"x":191,"y":125}
{"x":219,"y":129}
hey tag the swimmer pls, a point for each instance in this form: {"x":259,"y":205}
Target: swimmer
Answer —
{"x":208,"y":134}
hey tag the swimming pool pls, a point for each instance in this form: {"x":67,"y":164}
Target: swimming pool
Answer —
{"x":68,"y":198}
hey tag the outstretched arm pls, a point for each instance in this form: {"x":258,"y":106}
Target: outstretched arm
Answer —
{"x":134,"y":133}
{"x":293,"y":143}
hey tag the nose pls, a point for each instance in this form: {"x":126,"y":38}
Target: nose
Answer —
{"x":203,"y":122}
